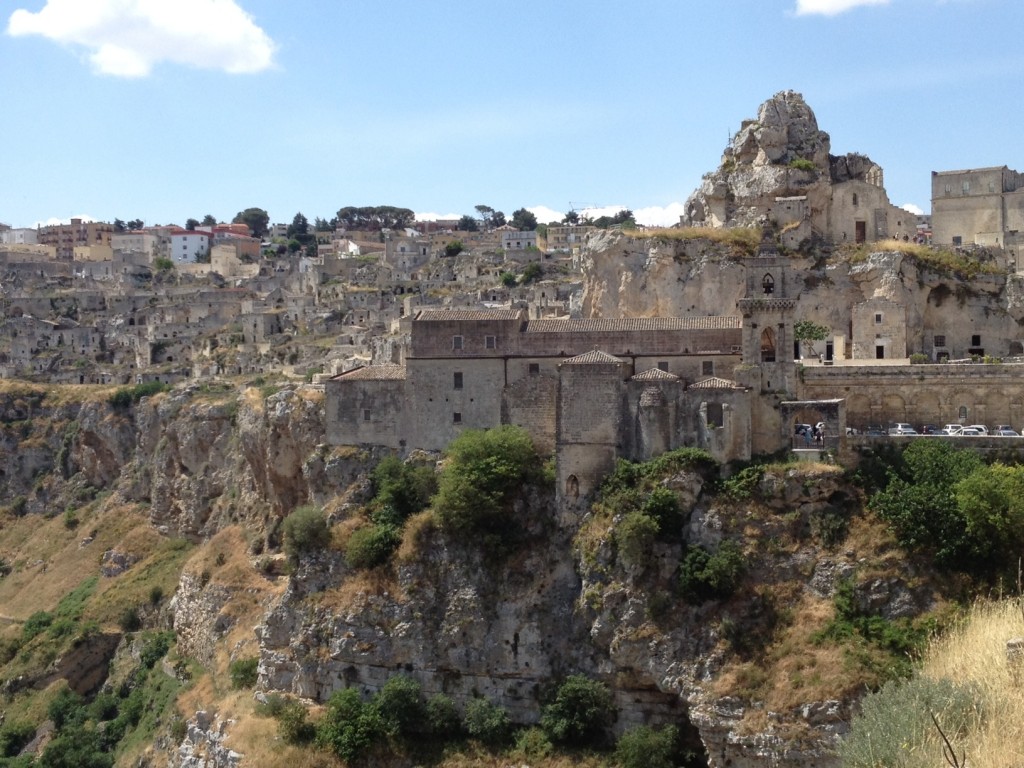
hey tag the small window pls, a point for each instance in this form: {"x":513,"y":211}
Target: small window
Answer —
{"x":768,"y":284}
{"x":715,"y":414}
{"x":962,"y":413}
{"x":958,"y":240}
{"x":366,"y":414}
{"x":707,"y":368}
{"x":940,"y":341}
{"x":976,"y":340}
{"x":489,"y":342}
{"x":456,"y":418}
{"x":534,"y":369}
{"x":949,"y":189}
{"x":965,"y":187}
{"x":456,"y":342}
{"x":855,"y":198}
{"x":878,"y":318}
{"x":457,"y":380}
{"x":663,"y":366}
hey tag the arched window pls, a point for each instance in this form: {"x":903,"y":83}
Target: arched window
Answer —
{"x":572,"y":487}
{"x":962,"y":413}
{"x":768,"y":284}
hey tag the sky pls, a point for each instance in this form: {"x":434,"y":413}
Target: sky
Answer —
{"x":163,"y":110}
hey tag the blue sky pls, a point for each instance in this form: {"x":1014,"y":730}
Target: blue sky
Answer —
{"x":168,"y":109}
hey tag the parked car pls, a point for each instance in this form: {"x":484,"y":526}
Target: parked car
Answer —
{"x":902,"y":428}
{"x":929,"y":429}
{"x":970,"y":432}
{"x":951,"y":430}
{"x":980,"y":427}
{"x":875,"y":430}
{"x":1005,"y":432}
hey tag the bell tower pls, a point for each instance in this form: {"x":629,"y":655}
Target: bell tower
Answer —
{"x":768,"y":309}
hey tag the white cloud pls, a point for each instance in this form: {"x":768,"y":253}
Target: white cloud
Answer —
{"x":832,"y":7}
{"x":437,"y":216}
{"x":126,"y":38}
{"x":53,"y":221}
{"x":914,"y":209}
{"x":545,"y":215}
{"x":659,"y":216}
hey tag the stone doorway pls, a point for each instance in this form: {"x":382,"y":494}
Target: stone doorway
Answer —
{"x":861,"y":231}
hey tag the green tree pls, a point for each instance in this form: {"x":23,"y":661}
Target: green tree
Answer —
{"x":572,"y":218}
{"x":468,"y":224}
{"x":486,"y":214}
{"x":508,"y":279}
{"x":191,"y":224}
{"x":484,"y":470}
{"x":119,"y":226}
{"x":349,"y":727}
{"x":991,"y":501}
{"x":581,"y":712}
{"x":533,"y":272}
{"x":711,"y":576}
{"x":524,"y":220}
{"x":487,"y":722}
{"x":322,"y":225}
{"x":256,"y":219}
{"x":401,"y":708}
{"x":404,"y":487}
{"x":809,"y":331}
{"x":375,"y":217}
{"x":645,"y":747}
{"x":209,"y":220}
{"x":299,"y":227}
{"x":305,"y":531}
{"x":372,"y":545}
{"x":454,"y":248}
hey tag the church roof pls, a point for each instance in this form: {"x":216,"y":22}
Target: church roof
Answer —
{"x":594,"y":357}
{"x":713,"y":382}
{"x":386,"y":372}
{"x":655,"y":374}
{"x":607,"y":324}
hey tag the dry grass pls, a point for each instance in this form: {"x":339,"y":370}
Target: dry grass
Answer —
{"x":356,"y":591}
{"x":939,"y":259}
{"x":416,"y":535}
{"x":975,"y":652}
{"x":745,"y":239}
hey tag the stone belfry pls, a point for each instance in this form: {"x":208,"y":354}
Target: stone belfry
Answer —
{"x":768,"y":308}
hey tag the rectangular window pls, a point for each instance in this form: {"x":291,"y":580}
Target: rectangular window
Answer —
{"x":715,"y":414}
{"x":707,"y":368}
{"x":534,"y":369}
{"x":878,"y":318}
{"x":456,"y":418}
{"x":457,"y":380}
{"x":949,"y":189}
{"x":489,"y":342}
{"x":965,"y":187}
{"x":940,"y":341}
{"x":366,"y":414}
{"x":663,"y":366}
{"x":456,"y":342}
{"x":976,"y":340}
{"x":958,"y":240}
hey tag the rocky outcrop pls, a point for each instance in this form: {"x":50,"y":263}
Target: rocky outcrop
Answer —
{"x":782,"y":153}
{"x":203,"y":745}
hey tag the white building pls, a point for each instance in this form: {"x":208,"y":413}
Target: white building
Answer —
{"x":188,"y":246}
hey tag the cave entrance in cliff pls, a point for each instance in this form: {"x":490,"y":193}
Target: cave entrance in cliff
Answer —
{"x":768,"y":345}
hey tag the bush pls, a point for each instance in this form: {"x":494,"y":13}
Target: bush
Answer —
{"x":919,"y":358}
{"x":705,"y":576}
{"x":484,"y":470}
{"x":125,"y":396}
{"x":293,"y":724}
{"x":35,"y":624}
{"x":244,"y":672}
{"x":155,"y":648}
{"x":645,"y":747}
{"x":67,"y":708}
{"x":894,"y":725}
{"x":305,"y":531}
{"x":802,"y":164}
{"x":349,"y":727}
{"x":533,"y":744}
{"x":580,"y":713}
{"x":14,"y":736}
{"x":487,"y":722}
{"x":372,"y":545}
{"x":404,"y":488}
{"x":634,"y":537}
{"x":662,"y":505}
{"x":401,"y":708}
{"x":442,"y":717}
{"x":129,"y":620}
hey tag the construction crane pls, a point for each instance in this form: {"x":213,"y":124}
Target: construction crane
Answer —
{"x":583,"y":206}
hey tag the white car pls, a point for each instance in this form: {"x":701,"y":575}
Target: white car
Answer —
{"x":1006,"y":432}
{"x":902,"y":428}
{"x":980,"y":427}
{"x":970,"y":432}
{"x":951,"y":429}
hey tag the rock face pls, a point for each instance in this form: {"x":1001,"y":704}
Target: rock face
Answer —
{"x":782,"y":153}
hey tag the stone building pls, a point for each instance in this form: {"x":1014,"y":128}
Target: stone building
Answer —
{"x":981,"y":206}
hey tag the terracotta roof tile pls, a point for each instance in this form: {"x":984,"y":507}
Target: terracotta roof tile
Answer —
{"x":655,"y":374}
{"x":594,"y":357}
{"x":448,"y":315}
{"x":387,"y":372}
{"x":713,"y":382}
{"x":605,"y":324}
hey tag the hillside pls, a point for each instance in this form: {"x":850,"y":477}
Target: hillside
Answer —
{"x":155,"y":525}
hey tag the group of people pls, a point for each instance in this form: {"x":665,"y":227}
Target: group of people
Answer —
{"x":815,"y":433}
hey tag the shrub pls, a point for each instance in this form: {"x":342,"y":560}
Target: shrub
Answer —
{"x":744,"y":483}
{"x":349,"y":727}
{"x":156,"y":594}
{"x":14,"y":736}
{"x":293,"y":724}
{"x":508,"y":279}
{"x":634,"y":537}
{"x":155,"y":648}
{"x":533,"y":744}
{"x":66,"y":709}
{"x":705,"y":576}
{"x":645,"y":747}
{"x":662,"y":505}
{"x":404,"y":488}
{"x":372,"y":545}
{"x":580,"y":713}
{"x":487,"y":722}
{"x":35,"y":624}
{"x":129,"y":620}
{"x":894,"y":725}
{"x":244,"y":672}
{"x":401,"y":708}
{"x":919,"y":358}
{"x":125,"y":396}
{"x":802,"y":164}
{"x":305,"y":531}
{"x":484,"y":470}
{"x":442,"y":717}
